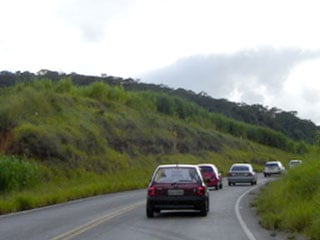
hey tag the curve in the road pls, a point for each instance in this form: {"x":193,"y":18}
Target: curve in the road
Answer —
{"x":81,"y":229}
{"x":246,"y":230}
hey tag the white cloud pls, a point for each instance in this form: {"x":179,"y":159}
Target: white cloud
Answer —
{"x":302,"y":90}
{"x":267,"y":76}
{"x":128,"y":38}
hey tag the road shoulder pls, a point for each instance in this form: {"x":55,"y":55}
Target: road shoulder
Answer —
{"x":251,"y":219}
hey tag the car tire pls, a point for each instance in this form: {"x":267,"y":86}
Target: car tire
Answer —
{"x":204,"y":209}
{"x":149,"y":211}
{"x":229,"y":183}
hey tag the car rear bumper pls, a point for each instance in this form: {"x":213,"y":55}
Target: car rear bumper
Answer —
{"x":272,"y":172}
{"x":241,"y":179}
{"x":173,"y":203}
{"x":213,"y":183}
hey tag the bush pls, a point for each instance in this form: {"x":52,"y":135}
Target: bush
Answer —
{"x":17,"y":174}
{"x":36,"y":141}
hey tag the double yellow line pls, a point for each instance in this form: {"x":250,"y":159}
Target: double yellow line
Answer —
{"x":85,"y":227}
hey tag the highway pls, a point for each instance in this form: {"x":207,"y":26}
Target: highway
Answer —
{"x":122,"y":216}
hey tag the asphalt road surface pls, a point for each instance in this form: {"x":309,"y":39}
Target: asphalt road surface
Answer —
{"x":122,"y":216}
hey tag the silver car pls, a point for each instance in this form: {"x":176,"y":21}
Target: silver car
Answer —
{"x":242,"y":173}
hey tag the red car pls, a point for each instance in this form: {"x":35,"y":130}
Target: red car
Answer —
{"x":211,"y":174}
{"x":177,"y":186}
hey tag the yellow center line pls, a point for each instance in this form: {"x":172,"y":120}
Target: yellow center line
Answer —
{"x":85,"y":227}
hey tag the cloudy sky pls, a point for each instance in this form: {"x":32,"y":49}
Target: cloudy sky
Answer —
{"x":253,"y":51}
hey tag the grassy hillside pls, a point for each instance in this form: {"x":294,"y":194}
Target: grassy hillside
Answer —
{"x":292,"y":203}
{"x":273,"y":118}
{"x":59,"y":141}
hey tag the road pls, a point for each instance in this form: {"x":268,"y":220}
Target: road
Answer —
{"x":122,"y":216}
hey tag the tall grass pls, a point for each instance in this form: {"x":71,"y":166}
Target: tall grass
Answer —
{"x":18,"y":174}
{"x":69,"y":184}
{"x":292,"y":203}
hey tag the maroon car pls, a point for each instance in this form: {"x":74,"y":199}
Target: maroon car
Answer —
{"x":212,"y":176}
{"x":177,"y":186}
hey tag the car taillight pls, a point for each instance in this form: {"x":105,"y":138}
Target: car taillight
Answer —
{"x":201,"y":191}
{"x":152,"y":191}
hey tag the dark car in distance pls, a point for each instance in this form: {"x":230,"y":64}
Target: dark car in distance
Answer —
{"x":177,"y":187}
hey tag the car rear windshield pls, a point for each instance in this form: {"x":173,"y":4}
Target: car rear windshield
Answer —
{"x":271,"y":165}
{"x":295,"y":161}
{"x":176,"y":175}
{"x":240,"y":168}
{"x":206,"y":169}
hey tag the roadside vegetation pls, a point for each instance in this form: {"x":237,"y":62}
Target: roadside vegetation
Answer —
{"x":60,"y":141}
{"x":292,"y":203}
{"x":273,"y":118}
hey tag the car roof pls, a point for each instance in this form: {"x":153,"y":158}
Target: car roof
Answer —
{"x":177,"y":165}
{"x":241,"y":164}
{"x":295,"y":160}
{"x":215,"y":169}
{"x":249,"y":165}
{"x":272,"y":162}
{"x":207,"y":165}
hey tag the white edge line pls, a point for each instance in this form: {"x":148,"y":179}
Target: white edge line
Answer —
{"x":242,"y":223}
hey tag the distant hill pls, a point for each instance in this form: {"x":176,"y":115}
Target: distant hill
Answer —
{"x":274,"y":118}
{"x":286,"y":122}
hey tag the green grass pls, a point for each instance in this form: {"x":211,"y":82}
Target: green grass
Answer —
{"x":70,"y":142}
{"x":292,"y":203}
{"x":56,"y":183}
{"x":77,"y":184}
{"x":16,"y":174}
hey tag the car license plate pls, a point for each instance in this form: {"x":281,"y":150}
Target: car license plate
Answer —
{"x":175,"y":192}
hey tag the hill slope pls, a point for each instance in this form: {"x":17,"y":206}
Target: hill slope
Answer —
{"x":286,"y":122}
{"x":79,"y":139}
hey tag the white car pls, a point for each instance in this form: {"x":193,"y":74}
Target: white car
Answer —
{"x":273,"y":168}
{"x":294,"y":162}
